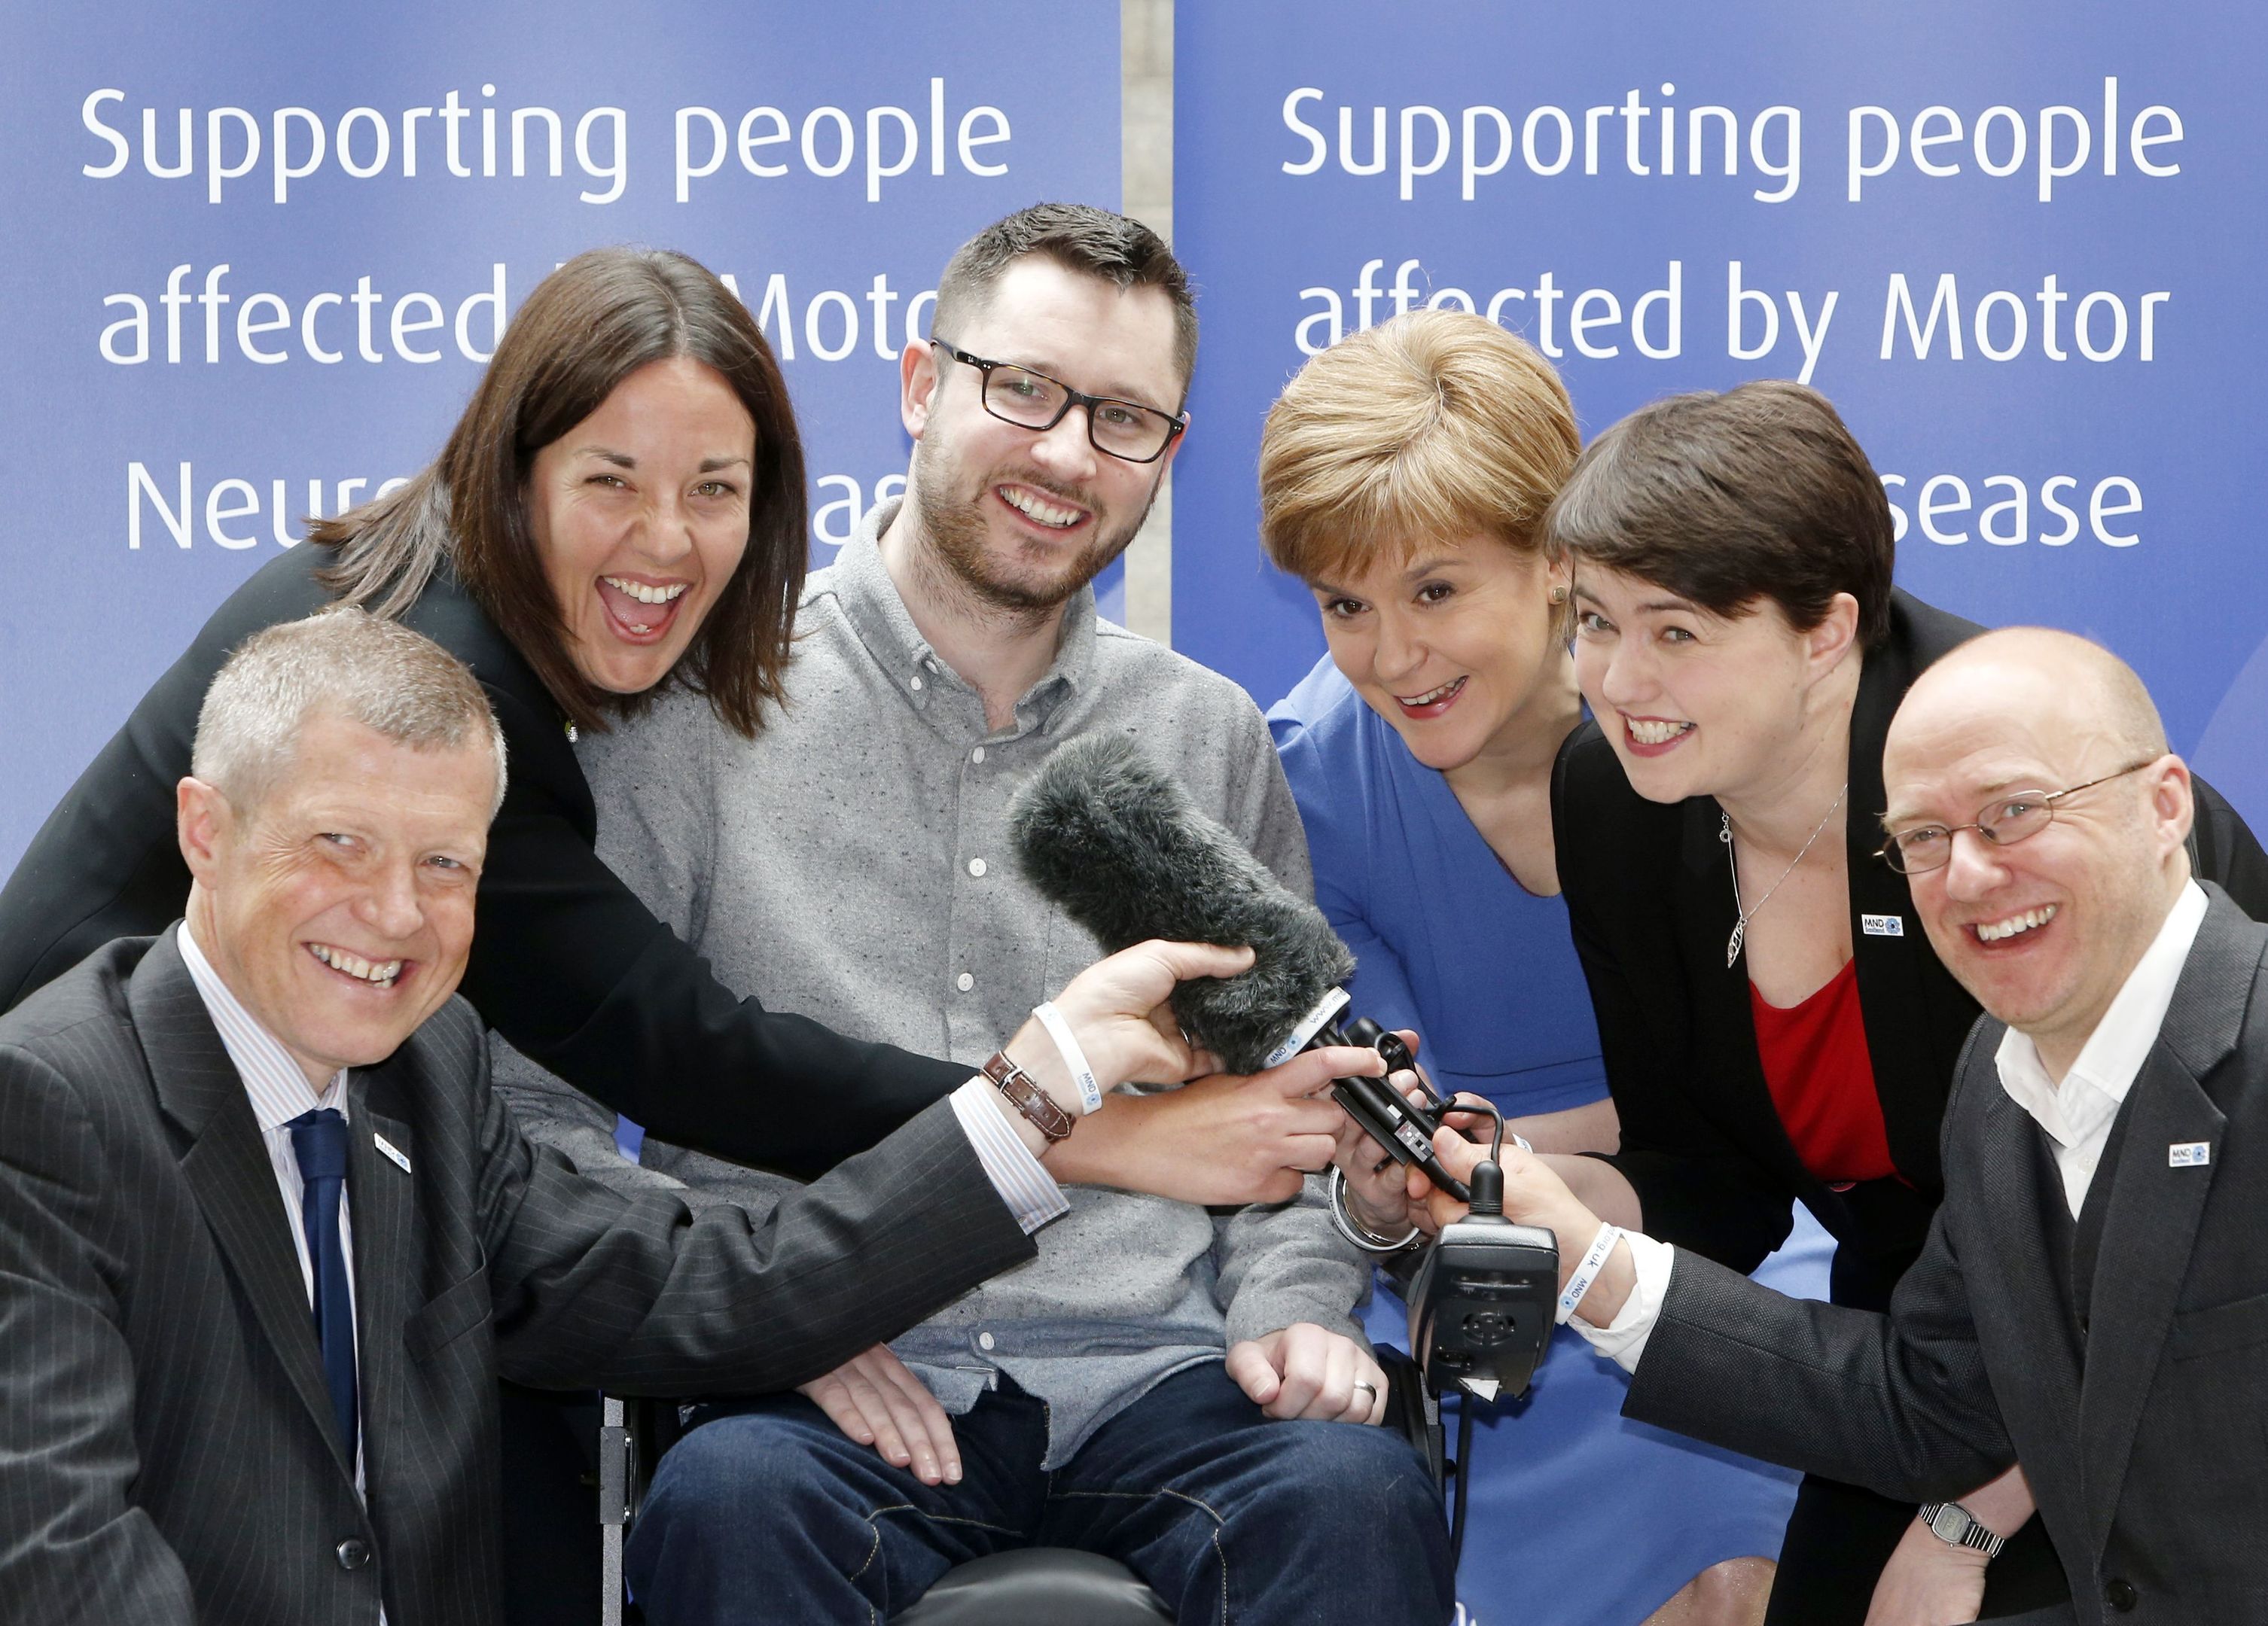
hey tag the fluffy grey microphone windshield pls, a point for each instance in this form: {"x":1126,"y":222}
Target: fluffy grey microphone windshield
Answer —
{"x":1120,"y":848}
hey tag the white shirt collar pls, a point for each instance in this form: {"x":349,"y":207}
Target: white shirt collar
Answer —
{"x":276,"y":1083}
{"x":2098,"y":1081}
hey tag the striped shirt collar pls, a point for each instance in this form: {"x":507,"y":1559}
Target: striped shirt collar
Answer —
{"x":278,"y":1087}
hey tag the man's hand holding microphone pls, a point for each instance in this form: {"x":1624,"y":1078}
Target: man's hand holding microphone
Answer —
{"x":1122,"y":1026}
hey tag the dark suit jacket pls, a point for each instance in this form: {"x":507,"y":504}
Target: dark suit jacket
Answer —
{"x":2146,"y":1440}
{"x":1650,"y":900}
{"x":166,"y":1447}
{"x":567,"y":964}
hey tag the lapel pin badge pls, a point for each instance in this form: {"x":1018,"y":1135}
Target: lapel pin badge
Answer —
{"x":1882,"y":925}
{"x":2189,"y":1154}
{"x":391,"y":1153}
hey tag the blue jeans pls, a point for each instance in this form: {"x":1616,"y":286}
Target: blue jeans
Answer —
{"x":766,"y":1513}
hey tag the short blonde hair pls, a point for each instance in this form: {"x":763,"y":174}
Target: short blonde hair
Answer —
{"x":1431,"y":427}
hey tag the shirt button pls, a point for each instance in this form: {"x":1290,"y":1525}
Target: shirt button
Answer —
{"x":983,"y":1340}
{"x":977,"y":755}
{"x":977,"y":866}
{"x":916,"y":682}
{"x":2119,"y":1594}
{"x":354,"y":1552}
{"x":964,"y":982}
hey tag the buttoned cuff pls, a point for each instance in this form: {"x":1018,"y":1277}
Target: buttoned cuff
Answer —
{"x":1021,"y":1180}
{"x":1623,"y":1340}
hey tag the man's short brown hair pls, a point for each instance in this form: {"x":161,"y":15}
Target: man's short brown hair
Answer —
{"x":1434,"y":427}
{"x":1729,"y":499}
{"x":1077,"y":237}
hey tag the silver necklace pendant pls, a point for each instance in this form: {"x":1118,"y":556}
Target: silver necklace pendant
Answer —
{"x":1740,"y":924}
{"x":1742,"y":914}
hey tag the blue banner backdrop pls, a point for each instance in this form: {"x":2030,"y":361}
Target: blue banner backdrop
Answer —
{"x":258,"y":252}
{"x":2019,"y":245}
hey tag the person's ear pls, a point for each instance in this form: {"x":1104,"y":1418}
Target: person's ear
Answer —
{"x":1836,"y":635}
{"x":204,"y":822}
{"x":1172,"y":450}
{"x":918,"y":380}
{"x":2173,"y":802}
{"x":1559,"y":596}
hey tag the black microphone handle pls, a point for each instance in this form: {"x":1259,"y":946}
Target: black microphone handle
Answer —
{"x":1404,"y":1129}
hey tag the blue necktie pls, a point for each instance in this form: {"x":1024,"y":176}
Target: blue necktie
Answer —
{"x":319,"y":1140}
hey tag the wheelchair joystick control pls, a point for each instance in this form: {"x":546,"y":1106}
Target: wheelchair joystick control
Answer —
{"x":1481,"y":1309}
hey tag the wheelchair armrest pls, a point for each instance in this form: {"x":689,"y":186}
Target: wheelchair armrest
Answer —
{"x":633,"y":1433}
{"x":1412,"y":1412}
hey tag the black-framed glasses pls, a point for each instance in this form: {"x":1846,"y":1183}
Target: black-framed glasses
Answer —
{"x":2003,"y":821}
{"x":1126,"y":429}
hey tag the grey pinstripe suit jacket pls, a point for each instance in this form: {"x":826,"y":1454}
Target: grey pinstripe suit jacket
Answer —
{"x":2146,"y":1440}
{"x":165,"y":1448}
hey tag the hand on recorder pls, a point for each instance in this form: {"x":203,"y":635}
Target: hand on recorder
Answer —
{"x":1534,"y":1194}
{"x":876,"y":1400}
{"x":1220,"y":1139}
{"x":1386,"y":1197}
{"x":1303,"y":1371}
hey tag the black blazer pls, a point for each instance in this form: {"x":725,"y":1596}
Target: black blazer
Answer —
{"x":2144,"y":1435}
{"x":167,"y":1450}
{"x":1650,"y":902}
{"x":567,"y":963}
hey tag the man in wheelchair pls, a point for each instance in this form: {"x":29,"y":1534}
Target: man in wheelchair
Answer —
{"x":1180,"y":1388}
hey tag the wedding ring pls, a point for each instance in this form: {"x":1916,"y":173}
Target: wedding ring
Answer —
{"x":1364,"y":1383}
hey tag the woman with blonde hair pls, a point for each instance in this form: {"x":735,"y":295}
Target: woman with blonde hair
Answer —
{"x":1403,"y":475}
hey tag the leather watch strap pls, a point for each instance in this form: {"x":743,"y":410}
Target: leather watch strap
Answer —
{"x":1037,"y":1106}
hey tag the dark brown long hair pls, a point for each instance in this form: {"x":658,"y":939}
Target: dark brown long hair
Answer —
{"x":587,"y":326}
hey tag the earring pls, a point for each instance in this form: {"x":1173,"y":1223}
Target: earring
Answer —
{"x":1558,"y":595}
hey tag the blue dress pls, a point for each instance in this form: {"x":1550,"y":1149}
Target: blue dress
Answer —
{"x":1579,"y":1517}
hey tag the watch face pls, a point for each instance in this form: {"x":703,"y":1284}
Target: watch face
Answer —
{"x":1950,"y":1523}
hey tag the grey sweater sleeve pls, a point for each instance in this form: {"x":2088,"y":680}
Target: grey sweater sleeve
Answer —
{"x":1280,"y":1262}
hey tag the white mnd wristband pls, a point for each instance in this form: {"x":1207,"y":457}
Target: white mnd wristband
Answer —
{"x":1588,"y":1272}
{"x":1090,"y":1093}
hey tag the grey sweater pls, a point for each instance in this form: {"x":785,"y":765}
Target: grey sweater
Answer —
{"x":852,"y":864}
